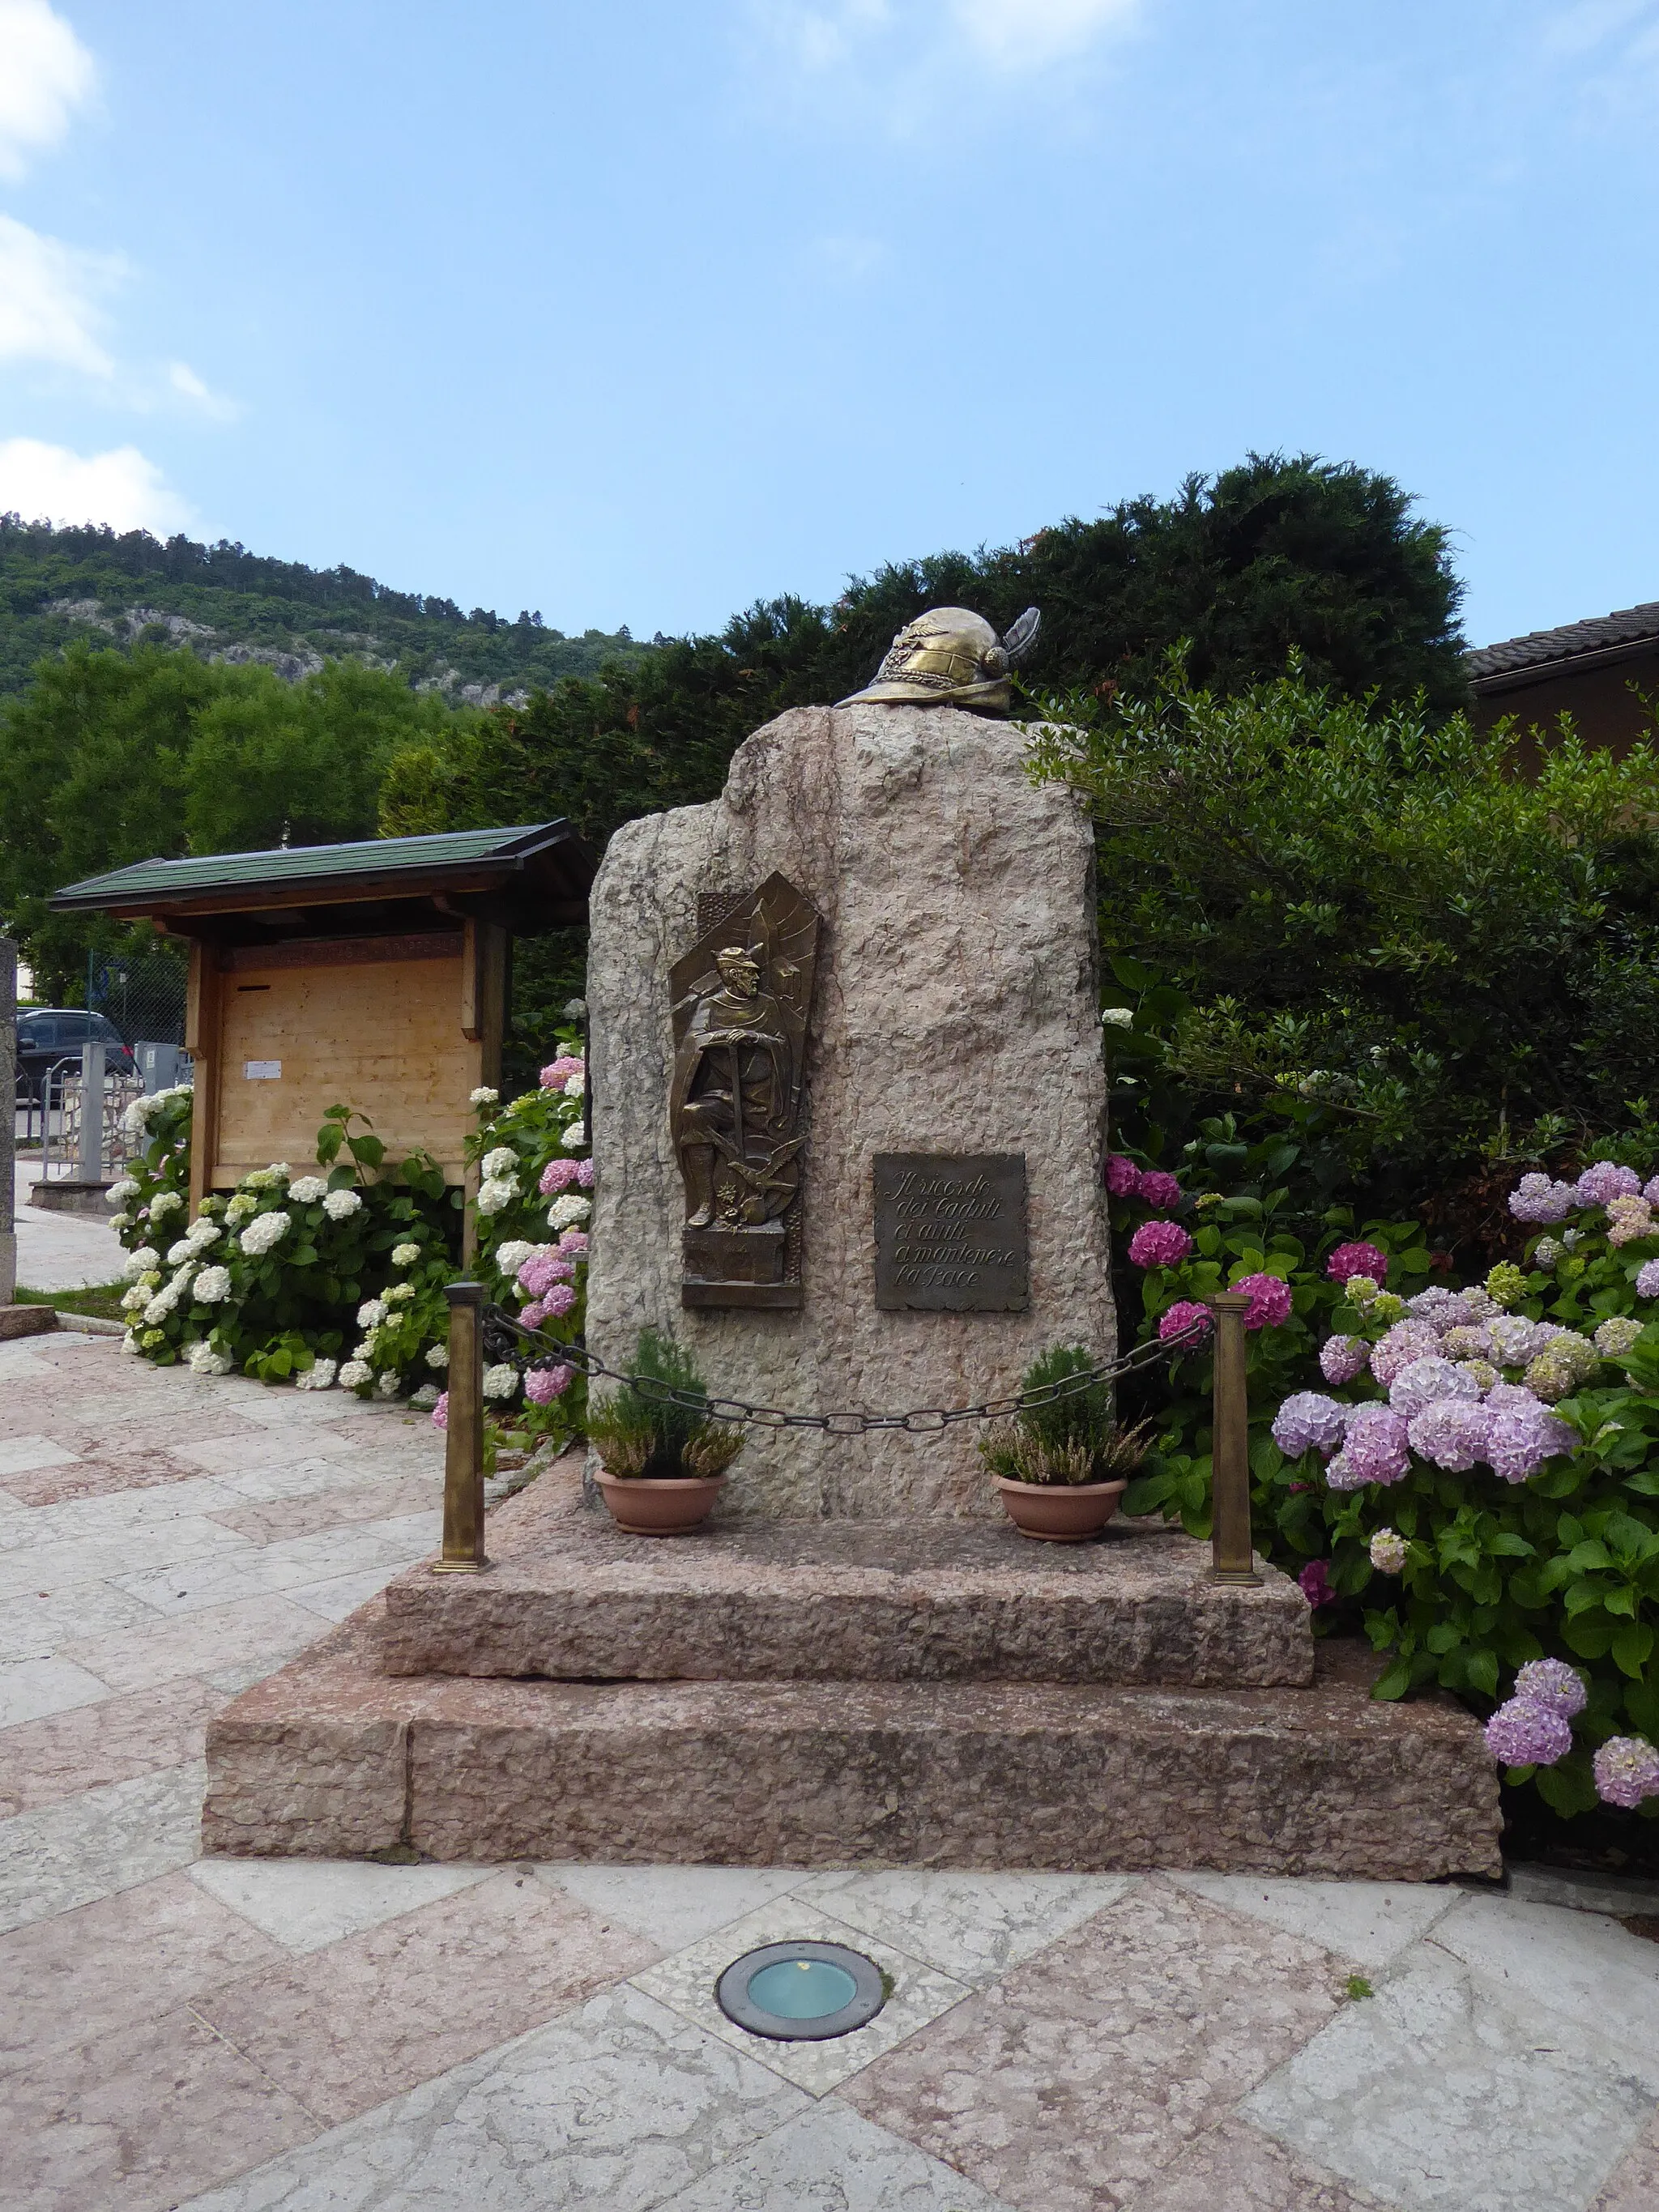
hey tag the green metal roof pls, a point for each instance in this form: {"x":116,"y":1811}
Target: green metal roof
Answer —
{"x":296,"y":865}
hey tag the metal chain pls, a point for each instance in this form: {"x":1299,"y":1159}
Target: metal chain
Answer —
{"x":504,"y":1337}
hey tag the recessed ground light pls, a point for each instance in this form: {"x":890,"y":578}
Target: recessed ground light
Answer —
{"x":801,"y":1992}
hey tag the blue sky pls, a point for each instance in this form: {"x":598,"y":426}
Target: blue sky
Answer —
{"x":639,"y":312}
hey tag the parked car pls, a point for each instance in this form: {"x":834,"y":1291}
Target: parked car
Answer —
{"x":47,"y":1035}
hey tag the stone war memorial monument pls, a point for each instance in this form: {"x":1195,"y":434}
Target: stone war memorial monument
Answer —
{"x":849,"y":1106}
{"x":849,"y":1130}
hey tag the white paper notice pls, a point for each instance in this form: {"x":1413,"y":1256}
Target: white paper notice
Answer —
{"x":262,"y":1071}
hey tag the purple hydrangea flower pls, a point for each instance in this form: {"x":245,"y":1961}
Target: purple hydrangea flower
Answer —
{"x":1375,"y":1448}
{"x":1160,"y":1189}
{"x":1452,"y":1432}
{"x":1647,"y":1279}
{"x":1357,"y":1260}
{"x":1519,"y":1441}
{"x":1552,"y":1683}
{"x":1309,"y":1421}
{"x":1650,"y":1190}
{"x":543,"y":1384}
{"x":584,"y":1175}
{"x":1406,"y":1341}
{"x":1159,"y":1244}
{"x":1441,"y":1309}
{"x":1343,"y":1358}
{"x":1604,"y":1180}
{"x":1515,"y":1340}
{"x":1316,"y":1583}
{"x":1270,"y":1300}
{"x":1523,"y":1734}
{"x":1626,"y":1770}
{"x":1536,"y":1199}
{"x":1425,"y":1380}
{"x":1185,"y":1314}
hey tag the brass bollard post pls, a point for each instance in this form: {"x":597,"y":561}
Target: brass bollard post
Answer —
{"x":1232,"y":1560}
{"x":463,"y":1498}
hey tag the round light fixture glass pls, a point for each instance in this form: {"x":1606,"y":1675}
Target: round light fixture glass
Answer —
{"x":801,"y":1992}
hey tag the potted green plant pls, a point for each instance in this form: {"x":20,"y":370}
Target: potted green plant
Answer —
{"x":1062,"y":1466}
{"x":663,"y":1460}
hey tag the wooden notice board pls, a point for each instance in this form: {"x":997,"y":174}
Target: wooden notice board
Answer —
{"x":402,"y":1029}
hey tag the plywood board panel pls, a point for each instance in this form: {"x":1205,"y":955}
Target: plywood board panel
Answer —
{"x":384,"y":1038}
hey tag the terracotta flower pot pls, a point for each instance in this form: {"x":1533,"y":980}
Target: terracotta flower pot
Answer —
{"x":1059,"y":1512}
{"x":644,"y":1506}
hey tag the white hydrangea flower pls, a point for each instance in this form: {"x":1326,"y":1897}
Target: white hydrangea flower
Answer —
{"x":319,"y":1376}
{"x":205,"y":1360}
{"x":369,"y":1348}
{"x":437,"y":1355}
{"x":574,"y":1086}
{"x":399,"y":1292}
{"x":497,"y":1192}
{"x":1117,"y":1018}
{"x":141,"y":1262}
{"x":386,"y":1386}
{"x":212,"y":1286}
{"x":576,"y":1137}
{"x":136,"y":1298}
{"x":242,"y":1208}
{"x":122,"y":1191}
{"x":340,"y":1205}
{"x":165,"y":1201}
{"x":161,"y":1306}
{"x":135,"y":1122}
{"x":569,"y":1212}
{"x":500,"y":1162}
{"x":120,"y":1221}
{"x":354,"y":1374}
{"x":512,"y":1255}
{"x":203,"y":1233}
{"x":262,"y":1233}
{"x":181,"y":1275}
{"x":130,"y":1341}
{"x":425,"y":1398}
{"x":308,"y":1189}
{"x":370,"y":1314}
{"x":501,"y":1382}
{"x":266,"y":1178}
{"x":485,"y":1095}
{"x":178,"y":1253}
{"x":405,"y":1255}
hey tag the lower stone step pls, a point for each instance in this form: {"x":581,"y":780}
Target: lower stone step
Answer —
{"x":334,"y":1758}
{"x":569,"y":1598}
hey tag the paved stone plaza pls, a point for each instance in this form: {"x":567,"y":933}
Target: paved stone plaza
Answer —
{"x":237,"y":2035}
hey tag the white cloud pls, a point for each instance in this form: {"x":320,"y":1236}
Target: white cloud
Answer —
{"x":1033,"y":34}
{"x":46,"y":309}
{"x":45,"y":73}
{"x":183,"y":380}
{"x":1010,"y":35}
{"x":120,"y":487}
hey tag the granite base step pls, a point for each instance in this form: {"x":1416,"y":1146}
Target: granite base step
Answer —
{"x":334,"y":1757}
{"x":568,"y":1598}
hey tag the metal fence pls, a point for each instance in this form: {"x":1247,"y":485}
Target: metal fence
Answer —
{"x":478,"y":1330}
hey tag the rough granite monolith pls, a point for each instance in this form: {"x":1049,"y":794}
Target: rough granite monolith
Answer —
{"x":955,"y":1012}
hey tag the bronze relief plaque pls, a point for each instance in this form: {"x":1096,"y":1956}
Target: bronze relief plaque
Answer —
{"x":951,"y":1232}
{"x":741,"y":998}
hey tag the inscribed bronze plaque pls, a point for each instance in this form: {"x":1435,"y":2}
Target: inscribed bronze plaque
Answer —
{"x":951,"y":1233}
{"x":741,"y":999}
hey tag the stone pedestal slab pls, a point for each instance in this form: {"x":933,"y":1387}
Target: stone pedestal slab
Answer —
{"x":570,"y":1599}
{"x":332,"y":1757}
{"x":955,"y":1012}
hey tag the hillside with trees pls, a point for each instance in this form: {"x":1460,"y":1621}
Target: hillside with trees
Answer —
{"x":186,"y":698}
{"x":60,"y":587}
